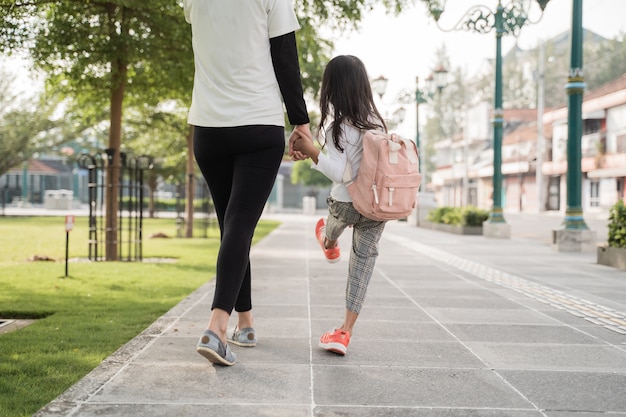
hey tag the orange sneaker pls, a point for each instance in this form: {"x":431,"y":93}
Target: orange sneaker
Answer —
{"x":333,"y":254}
{"x":335,"y":341}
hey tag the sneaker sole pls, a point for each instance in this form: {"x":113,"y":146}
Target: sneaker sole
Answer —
{"x":334,"y":347}
{"x":333,"y":261}
{"x":213,"y":356}
{"x":242,"y":344}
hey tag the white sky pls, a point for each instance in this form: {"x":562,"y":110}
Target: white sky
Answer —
{"x":403,"y":47}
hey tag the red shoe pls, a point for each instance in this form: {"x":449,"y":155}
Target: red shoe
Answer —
{"x":332,"y":255}
{"x":335,"y":341}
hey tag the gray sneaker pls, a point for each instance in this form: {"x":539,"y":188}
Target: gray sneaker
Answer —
{"x":243,"y":337}
{"x":211,"y":347}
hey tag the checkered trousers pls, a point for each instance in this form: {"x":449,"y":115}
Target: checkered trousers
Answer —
{"x":365,"y":236}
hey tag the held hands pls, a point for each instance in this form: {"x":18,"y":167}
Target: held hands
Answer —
{"x":300,"y":142}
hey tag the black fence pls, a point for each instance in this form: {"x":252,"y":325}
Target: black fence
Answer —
{"x":131,"y":205}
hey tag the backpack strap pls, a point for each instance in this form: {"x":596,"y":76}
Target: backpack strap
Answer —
{"x":347,"y":173}
{"x":413,"y":157}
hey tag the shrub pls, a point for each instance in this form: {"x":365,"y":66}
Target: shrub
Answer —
{"x":440,"y":213}
{"x":617,"y":225}
{"x":458,"y":216}
{"x":473,"y":216}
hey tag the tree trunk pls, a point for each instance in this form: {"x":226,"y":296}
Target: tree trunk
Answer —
{"x":190,"y":185}
{"x":114,"y":164}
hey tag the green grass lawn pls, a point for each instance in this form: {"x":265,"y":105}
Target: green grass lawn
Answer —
{"x":84,"y":317}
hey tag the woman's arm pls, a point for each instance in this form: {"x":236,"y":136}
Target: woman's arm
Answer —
{"x":287,"y":70}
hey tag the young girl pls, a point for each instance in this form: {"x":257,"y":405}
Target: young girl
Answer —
{"x":347,"y":109}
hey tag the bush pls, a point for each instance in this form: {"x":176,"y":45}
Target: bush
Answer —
{"x":617,"y":225}
{"x":473,"y":216}
{"x":441,"y":214}
{"x":458,"y":216}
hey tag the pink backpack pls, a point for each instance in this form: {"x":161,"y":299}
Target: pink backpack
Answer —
{"x":386,"y":185}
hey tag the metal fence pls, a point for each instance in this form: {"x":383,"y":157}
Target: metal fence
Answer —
{"x":131,"y":205}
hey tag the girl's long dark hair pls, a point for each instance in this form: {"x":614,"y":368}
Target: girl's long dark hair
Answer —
{"x":346,"y":97}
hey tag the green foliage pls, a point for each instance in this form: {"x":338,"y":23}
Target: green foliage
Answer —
{"x":458,"y":216}
{"x":87,"y":316}
{"x":617,"y":225}
{"x":302,"y":173}
{"x":473,"y":216}
{"x":442,"y":214}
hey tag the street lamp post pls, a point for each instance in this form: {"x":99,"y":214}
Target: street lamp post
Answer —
{"x":507,"y":19}
{"x":379,"y":86}
{"x":434,"y":84}
{"x":575,"y":236}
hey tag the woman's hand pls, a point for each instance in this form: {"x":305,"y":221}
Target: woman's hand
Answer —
{"x":300,"y":133}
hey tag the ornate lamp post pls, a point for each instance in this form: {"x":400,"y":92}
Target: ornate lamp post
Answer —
{"x":379,"y":86}
{"x":435,"y":83}
{"x":506,"y":19}
{"x":574,"y":236}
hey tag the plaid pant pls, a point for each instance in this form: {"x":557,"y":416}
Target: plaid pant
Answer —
{"x":365,"y":236}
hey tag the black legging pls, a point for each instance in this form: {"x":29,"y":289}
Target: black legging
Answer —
{"x":239,"y":165}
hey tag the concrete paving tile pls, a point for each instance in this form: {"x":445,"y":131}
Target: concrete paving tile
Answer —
{"x":519,"y":333}
{"x":489,"y":303}
{"x":371,"y":300}
{"x":288,"y":326}
{"x":330,"y":312}
{"x":285,"y":327}
{"x":575,"y":391}
{"x":408,"y":354}
{"x":582,"y":414}
{"x":355,"y":411}
{"x":200,"y":312}
{"x":276,"y":351}
{"x":276,"y":297}
{"x":193,"y":410}
{"x":430,"y":283}
{"x":390,"y":332}
{"x":412,"y":387}
{"x":169,"y":350}
{"x":172,"y":350}
{"x":475,"y":316}
{"x":466,"y":293}
{"x":551,"y":356}
{"x":339,"y":289}
{"x":392,"y":313}
{"x":199,"y":382}
{"x":603,"y":334}
{"x":187,"y":327}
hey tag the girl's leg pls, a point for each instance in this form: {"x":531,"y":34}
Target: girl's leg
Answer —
{"x":365,"y":238}
{"x":240,"y":166}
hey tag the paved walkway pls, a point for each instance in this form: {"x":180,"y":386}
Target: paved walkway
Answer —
{"x":452,"y":326}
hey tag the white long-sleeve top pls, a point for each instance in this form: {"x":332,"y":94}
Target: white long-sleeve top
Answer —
{"x":333,"y":162}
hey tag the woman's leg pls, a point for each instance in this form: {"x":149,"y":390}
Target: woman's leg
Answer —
{"x":240,"y":167}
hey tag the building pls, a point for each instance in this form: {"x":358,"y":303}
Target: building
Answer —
{"x":603,"y":147}
{"x":465,"y":162}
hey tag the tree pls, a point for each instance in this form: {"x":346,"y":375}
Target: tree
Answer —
{"x":112,"y":53}
{"x":302,"y":173}
{"x":26,"y":125}
{"x":100,"y":52}
{"x":157,"y":132}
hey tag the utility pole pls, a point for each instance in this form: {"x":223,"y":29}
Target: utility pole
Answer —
{"x":541,"y":140}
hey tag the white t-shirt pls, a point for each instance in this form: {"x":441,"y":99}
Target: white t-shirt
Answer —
{"x":333,"y":163}
{"x":234,"y":82}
